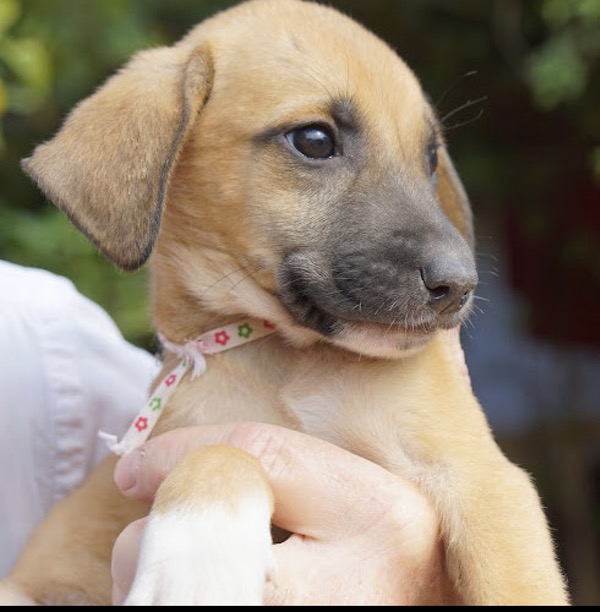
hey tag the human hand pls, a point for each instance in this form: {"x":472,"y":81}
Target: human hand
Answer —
{"x":360,"y":535}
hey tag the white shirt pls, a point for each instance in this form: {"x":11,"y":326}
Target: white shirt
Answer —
{"x":65,"y":373}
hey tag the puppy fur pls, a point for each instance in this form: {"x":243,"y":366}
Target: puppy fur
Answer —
{"x":282,"y":162}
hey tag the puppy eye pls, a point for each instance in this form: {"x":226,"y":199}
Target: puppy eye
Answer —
{"x":313,"y":141}
{"x":432,"y":158}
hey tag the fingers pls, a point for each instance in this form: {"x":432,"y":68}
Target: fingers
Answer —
{"x":139,"y":472}
{"x":380,"y":566}
{"x":124,"y":560}
{"x":314,"y":482}
{"x":352,"y":521}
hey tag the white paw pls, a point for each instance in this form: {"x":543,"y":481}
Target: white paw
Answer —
{"x":219,"y":555}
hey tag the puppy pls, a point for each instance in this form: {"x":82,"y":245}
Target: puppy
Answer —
{"x":282,"y":163}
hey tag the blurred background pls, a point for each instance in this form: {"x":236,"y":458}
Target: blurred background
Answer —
{"x":517,"y":86}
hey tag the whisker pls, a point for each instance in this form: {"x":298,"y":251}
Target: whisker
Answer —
{"x":246,"y":269}
{"x":454,"y":85}
{"x":458,"y":109}
{"x":241,"y":280}
{"x":447,"y":128}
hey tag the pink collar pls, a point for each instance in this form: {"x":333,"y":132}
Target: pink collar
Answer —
{"x":191,"y":355}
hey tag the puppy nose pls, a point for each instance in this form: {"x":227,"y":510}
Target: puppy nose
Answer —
{"x":449,"y":283}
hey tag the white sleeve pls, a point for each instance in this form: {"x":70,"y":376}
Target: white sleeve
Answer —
{"x":65,"y":373}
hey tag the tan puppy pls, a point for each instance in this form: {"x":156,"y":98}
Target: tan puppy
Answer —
{"x":280,"y":162}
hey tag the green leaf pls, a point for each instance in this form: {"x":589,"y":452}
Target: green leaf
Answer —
{"x":3,"y":98}
{"x":30,"y":63}
{"x":10,"y":11}
{"x":28,"y":59}
{"x":557,"y":72}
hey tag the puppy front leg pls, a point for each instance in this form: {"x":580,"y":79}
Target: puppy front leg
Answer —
{"x":208,"y":538}
{"x":499,"y":548}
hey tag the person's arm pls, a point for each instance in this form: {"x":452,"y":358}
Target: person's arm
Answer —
{"x":360,"y":534}
{"x":66,"y":372}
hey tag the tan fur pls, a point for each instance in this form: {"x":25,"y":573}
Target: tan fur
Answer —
{"x":208,"y":472}
{"x":179,"y":140}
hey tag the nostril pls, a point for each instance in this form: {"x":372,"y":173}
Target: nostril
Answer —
{"x":437,"y":290}
{"x":448,"y":287}
{"x":440,"y":292}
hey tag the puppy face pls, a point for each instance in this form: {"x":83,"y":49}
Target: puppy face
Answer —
{"x":303,"y":176}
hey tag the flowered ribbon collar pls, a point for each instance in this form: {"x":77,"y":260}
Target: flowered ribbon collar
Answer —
{"x":191,"y":355}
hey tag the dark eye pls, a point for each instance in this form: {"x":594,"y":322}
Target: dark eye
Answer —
{"x":313,"y":141}
{"x":432,"y":158}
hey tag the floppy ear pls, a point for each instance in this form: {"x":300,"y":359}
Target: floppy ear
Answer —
{"x":108,"y":167}
{"x":453,"y":198}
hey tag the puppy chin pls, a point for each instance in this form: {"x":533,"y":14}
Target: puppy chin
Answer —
{"x":379,"y":341}
{"x":376,"y":340}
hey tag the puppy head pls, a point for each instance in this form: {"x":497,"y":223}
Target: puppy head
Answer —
{"x":279,"y":161}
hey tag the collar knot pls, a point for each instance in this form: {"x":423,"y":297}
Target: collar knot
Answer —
{"x":190,"y":353}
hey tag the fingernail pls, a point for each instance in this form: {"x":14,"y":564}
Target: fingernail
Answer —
{"x":127,"y":468}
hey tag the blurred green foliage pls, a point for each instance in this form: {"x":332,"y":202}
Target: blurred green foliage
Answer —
{"x":559,"y":70}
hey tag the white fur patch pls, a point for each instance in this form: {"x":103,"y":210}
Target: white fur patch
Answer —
{"x":212,"y":556}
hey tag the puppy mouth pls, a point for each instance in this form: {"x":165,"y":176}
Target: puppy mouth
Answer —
{"x":401,"y":320}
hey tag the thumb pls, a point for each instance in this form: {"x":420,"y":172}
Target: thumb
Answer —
{"x":124,"y":560}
